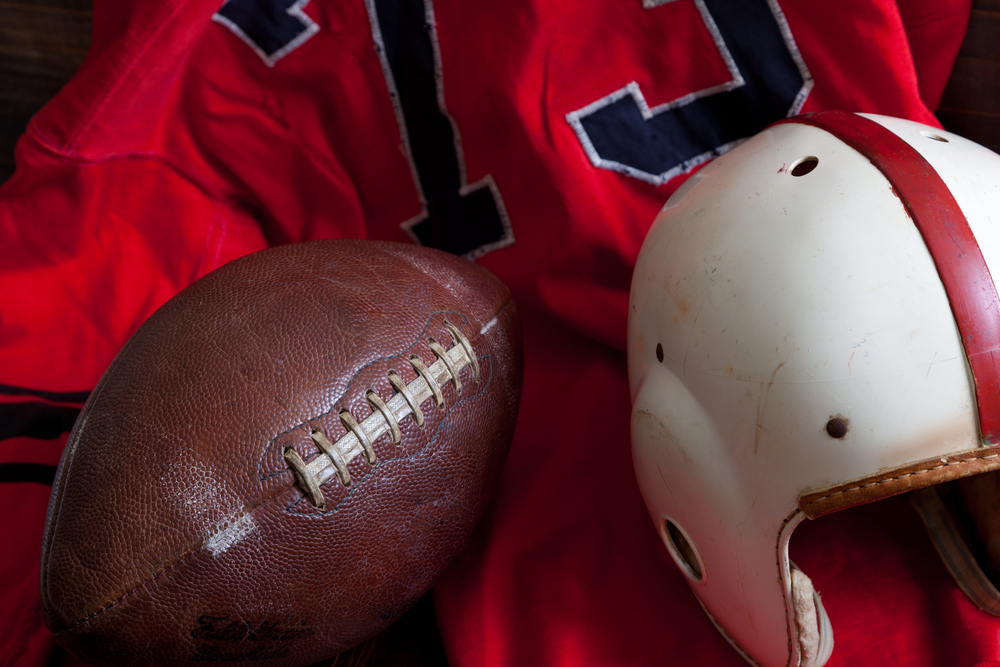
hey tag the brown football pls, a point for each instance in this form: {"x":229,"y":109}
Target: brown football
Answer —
{"x":283,"y":458}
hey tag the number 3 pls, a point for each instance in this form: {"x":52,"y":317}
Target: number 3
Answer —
{"x":769,"y":81}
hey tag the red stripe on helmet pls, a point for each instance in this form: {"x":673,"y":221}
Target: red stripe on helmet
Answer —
{"x":945,"y":230}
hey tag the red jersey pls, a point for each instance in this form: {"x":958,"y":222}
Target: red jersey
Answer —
{"x":540,"y":139}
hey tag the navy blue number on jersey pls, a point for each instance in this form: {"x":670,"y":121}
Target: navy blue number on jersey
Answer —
{"x":272,"y":28}
{"x":768,"y":81}
{"x":463,"y":218}
{"x":455,"y":215}
{"x":620,"y":132}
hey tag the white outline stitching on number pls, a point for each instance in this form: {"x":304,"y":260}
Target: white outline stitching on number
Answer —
{"x":311,"y":28}
{"x":574,"y":118}
{"x":464,"y":186}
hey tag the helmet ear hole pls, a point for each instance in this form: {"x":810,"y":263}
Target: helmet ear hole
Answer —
{"x":682,"y":550}
{"x":804,"y":166}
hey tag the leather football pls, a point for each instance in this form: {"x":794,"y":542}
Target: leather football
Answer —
{"x":283,"y":458}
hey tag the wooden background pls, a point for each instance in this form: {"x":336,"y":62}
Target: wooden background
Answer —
{"x":43,"y":42}
{"x":970,"y":105}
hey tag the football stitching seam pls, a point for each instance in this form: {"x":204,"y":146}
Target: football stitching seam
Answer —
{"x":310,"y":478}
{"x":360,"y":481}
{"x":419,"y":452}
{"x":262,"y":476}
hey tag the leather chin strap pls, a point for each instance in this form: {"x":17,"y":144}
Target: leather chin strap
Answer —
{"x":954,"y":551}
{"x":814,"y":632}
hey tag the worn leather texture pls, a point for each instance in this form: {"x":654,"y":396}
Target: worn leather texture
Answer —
{"x":900,"y":479}
{"x":176,"y":531}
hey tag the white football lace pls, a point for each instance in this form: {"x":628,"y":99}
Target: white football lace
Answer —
{"x":385,"y":416}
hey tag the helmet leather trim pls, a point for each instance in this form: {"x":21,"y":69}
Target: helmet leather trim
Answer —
{"x":899,"y":480}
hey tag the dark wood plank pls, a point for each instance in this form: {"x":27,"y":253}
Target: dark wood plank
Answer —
{"x":981,"y":38}
{"x":970,"y":105}
{"x":42,"y":44}
{"x":974,"y":87}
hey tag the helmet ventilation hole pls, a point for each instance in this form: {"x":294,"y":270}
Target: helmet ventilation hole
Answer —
{"x":682,"y":550}
{"x":804,"y":166}
{"x":836,"y":427}
{"x":659,"y":353}
{"x":935,"y":137}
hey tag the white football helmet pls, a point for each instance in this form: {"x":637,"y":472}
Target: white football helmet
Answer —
{"x":813,"y":326}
